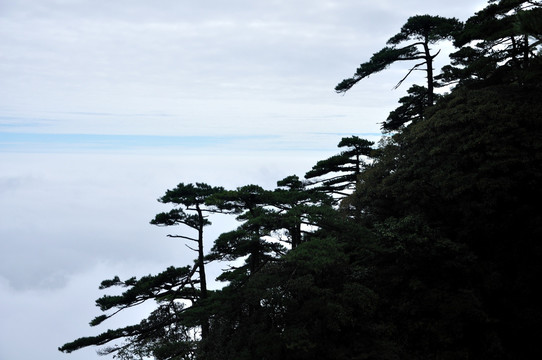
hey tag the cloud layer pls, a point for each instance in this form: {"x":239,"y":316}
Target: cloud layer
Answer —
{"x":106,"y":104}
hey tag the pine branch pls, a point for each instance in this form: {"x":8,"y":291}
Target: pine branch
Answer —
{"x":182,"y":237}
{"x":409,"y":72}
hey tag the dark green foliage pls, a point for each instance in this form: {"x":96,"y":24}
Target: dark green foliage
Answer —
{"x":160,"y":287}
{"x":284,"y":213}
{"x":339,"y":174}
{"x":426,"y":28}
{"x":176,"y":217}
{"x":189,"y":194}
{"x":298,"y":308}
{"x":475,"y":144}
{"x":499,"y":44}
{"x":379,"y":61}
{"x":424,"y":282}
{"x":101,"y":339}
{"x":470,"y":177}
{"x":244,"y":243}
{"x":412,"y":109}
{"x":164,"y":288}
{"x":422,"y":30}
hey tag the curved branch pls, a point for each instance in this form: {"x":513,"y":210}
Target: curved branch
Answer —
{"x":409,"y":72}
{"x":182,"y":237}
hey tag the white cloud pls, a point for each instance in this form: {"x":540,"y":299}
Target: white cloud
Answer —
{"x":262,"y":71}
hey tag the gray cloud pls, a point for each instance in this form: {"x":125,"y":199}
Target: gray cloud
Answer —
{"x":263,"y":71}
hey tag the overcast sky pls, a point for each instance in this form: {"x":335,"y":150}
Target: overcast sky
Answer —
{"x":106,"y":104}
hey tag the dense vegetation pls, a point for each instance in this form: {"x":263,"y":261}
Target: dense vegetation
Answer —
{"x":426,"y":246}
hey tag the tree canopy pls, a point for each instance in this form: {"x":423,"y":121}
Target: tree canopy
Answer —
{"x":421,"y":31}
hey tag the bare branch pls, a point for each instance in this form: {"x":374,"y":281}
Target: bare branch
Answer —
{"x":182,"y":237}
{"x":434,"y":56}
{"x":191,"y":248}
{"x":409,"y":72}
